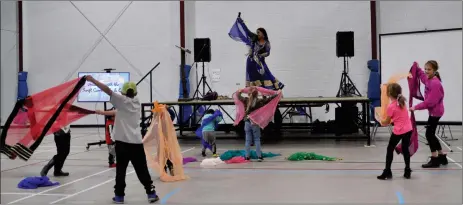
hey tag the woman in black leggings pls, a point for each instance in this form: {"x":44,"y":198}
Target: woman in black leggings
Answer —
{"x":434,"y":103}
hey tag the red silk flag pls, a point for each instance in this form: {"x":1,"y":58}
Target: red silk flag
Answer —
{"x":39,"y":115}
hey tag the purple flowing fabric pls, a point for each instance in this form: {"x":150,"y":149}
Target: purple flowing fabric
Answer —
{"x":414,"y":84}
{"x":415,"y":92}
{"x":240,"y":32}
{"x":187,"y":160}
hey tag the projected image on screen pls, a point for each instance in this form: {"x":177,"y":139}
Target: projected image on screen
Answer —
{"x":399,"y":51}
{"x":91,"y":93}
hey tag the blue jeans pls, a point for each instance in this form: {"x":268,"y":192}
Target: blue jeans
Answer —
{"x":252,"y":131}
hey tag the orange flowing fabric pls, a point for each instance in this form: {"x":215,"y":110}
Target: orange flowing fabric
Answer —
{"x":160,"y":144}
{"x":385,"y":101}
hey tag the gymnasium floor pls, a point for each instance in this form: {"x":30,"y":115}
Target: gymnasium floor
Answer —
{"x":352,"y":180}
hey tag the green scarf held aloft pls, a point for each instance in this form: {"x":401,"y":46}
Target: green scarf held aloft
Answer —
{"x":299,"y":156}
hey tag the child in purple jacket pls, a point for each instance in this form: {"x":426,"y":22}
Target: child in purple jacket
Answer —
{"x":434,"y":103}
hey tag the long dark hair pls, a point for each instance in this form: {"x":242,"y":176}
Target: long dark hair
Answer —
{"x":263,"y":31}
{"x":435,"y":66}
{"x":395,"y":91}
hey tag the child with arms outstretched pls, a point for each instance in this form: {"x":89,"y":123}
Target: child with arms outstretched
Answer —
{"x":127,"y":134}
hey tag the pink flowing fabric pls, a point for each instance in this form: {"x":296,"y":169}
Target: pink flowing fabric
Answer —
{"x":237,"y":160}
{"x":261,"y":116}
{"x":415,"y":92}
{"x":21,"y":119}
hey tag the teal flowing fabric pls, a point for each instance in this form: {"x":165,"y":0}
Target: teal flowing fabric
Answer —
{"x":299,"y":156}
{"x":241,"y":153}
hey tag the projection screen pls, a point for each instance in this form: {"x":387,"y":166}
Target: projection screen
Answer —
{"x":399,"y":51}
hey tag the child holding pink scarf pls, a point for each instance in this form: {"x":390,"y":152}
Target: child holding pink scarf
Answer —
{"x":256,"y":112}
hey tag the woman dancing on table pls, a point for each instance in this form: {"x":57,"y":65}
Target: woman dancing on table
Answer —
{"x":257,"y":71}
{"x":434,"y":103}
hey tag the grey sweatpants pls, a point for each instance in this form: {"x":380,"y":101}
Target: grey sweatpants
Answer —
{"x":209,"y":137}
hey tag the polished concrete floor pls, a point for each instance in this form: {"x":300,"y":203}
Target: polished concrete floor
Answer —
{"x":276,"y":180}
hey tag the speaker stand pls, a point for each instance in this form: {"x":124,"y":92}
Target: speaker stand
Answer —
{"x":346,"y":86}
{"x":203,"y":81}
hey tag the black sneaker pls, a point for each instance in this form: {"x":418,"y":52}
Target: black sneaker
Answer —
{"x":260,"y":159}
{"x":443,"y":159}
{"x":118,"y":199}
{"x":61,"y":174}
{"x":407,"y":173}
{"x":153,"y":198}
{"x":433,"y":163}
{"x":387,"y":174}
{"x":247,"y":158}
{"x":203,"y":153}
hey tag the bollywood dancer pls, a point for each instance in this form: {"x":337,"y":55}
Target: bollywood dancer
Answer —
{"x":434,"y":103}
{"x":257,"y":71}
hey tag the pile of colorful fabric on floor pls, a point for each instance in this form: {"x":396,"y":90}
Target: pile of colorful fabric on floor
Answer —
{"x":238,"y":156}
{"x":187,"y":160}
{"x":234,"y":157}
{"x":299,"y":156}
{"x":228,"y":155}
{"x":237,"y":160}
{"x":35,"y":182}
{"x":210,"y":162}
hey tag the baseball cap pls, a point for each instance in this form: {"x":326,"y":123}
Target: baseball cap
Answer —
{"x":127,"y":86}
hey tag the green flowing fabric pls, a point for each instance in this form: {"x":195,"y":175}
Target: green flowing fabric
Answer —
{"x":241,"y":153}
{"x":299,"y":156}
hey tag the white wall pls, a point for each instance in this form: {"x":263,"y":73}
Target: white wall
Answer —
{"x":408,"y":16}
{"x":403,"y":16}
{"x":399,"y":51}
{"x":303,"y":39}
{"x":57,"y":38}
{"x":9,"y":58}
{"x":190,"y":31}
